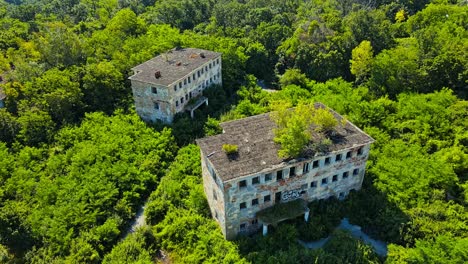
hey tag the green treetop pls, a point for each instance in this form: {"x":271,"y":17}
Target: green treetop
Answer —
{"x":295,"y":127}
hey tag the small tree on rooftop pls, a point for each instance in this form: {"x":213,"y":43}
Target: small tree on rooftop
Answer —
{"x":294,"y":127}
{"x":230,"y":149}
{"x":293,"y":131}
{"x":324,"y":120}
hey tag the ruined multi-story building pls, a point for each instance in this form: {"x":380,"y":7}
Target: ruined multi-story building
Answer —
{"x":240,"y":187}
{"x":173,"y":82}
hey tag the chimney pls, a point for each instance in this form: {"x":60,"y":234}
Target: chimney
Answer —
{"x":157,"y":74}
{"x":202,"y":55}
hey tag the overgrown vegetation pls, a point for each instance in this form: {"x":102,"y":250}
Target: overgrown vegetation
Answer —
{"x":73,"y":170}
{"x":230,"y":149}
{"x":296,"y":127}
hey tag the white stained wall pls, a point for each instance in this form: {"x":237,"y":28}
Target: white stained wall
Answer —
{"x":169,"y":100}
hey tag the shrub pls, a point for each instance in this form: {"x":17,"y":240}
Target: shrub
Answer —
{"x":230,"y":149}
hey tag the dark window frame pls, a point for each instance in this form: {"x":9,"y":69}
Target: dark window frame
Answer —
{"x":338,"y":157}
{"x":360,"y":151}
{"x":243,"y":184}
{"x":345,"y":174}
{"x":267,"y":198}
{"x":356,"y":172}
{"x":335,"y":178}
{"x":324,"y":181}
{"x":256,"y":180}
{"x":292,"y":171}
{"x":255,"y":202}
{"x":316,"y":164}
{"x":243,"y":206}
{"x":279,"y":175}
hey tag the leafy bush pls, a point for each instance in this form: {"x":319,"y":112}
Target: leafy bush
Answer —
{"x":230,"y":149}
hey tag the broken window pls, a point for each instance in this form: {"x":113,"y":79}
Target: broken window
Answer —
{"x":267,"y":177}
{"x":355,"y":172}
{"x":327,"y":161}
{"x":348,"y":155}
{"x":324,"y":181}
{"x":313,"y":184}
{"x":345,"y":174}
{"x":267,"y":198}
{"x":156,"y":106}
{"x":360,"y":151}
{"x":338,"y":157}
{"x":315,"y":164}
{"x":243,"y":205}
{"x":154,"y":90}
{"x":292,"y":171}
{"x":279,"y":175}
{"x":242,"y":184}
{"x":255,"y":180}
{"x":243,"y":226}
{"x":255,"y":202}
{"x":305,"y":168}
{"x":335,"y":178}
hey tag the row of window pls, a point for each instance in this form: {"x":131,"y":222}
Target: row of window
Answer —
{"x":313,"y":184}
{"x":327,"y":161}
{"x":197,"y":74}
{"x":306,"y":168}
{"x":334,"y":178}
{"x":254,"y":202}
{"x":243,"y":226}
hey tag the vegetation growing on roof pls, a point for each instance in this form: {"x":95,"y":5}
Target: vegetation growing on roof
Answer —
{"x":295,"y":129}
{"x":230,"y":149}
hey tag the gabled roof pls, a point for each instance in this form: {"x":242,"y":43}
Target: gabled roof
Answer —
{"x":258,"y":152}
{"x":172,"y":65}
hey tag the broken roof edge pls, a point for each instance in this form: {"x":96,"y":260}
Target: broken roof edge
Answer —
{"x":285,"y":164}
{"x":230,"y":126}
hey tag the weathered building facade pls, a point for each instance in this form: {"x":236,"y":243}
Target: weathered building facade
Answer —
{"x":239,"y":187}
{"x":174,"y":82}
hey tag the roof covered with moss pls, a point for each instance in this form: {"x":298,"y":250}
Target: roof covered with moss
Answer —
{"x":172,"y":65}
{"x":257,"y":152}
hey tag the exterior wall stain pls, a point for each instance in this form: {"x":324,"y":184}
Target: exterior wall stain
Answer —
{"x":235,"y":220}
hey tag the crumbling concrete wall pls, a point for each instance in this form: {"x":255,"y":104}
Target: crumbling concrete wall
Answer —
{"x":213,"y":187}
{"x":173,"y":100}
{"x":145,"y":100}
{"x":292,"y":187}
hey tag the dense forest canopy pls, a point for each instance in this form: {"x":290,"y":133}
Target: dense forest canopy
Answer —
{"x":76,"y":161}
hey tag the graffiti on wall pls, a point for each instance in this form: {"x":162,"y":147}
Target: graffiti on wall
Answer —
{"x":291,"y":195}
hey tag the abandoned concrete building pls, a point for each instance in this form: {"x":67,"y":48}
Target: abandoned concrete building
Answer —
{"x":242,"y":189}
{"x":173,"y":82}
